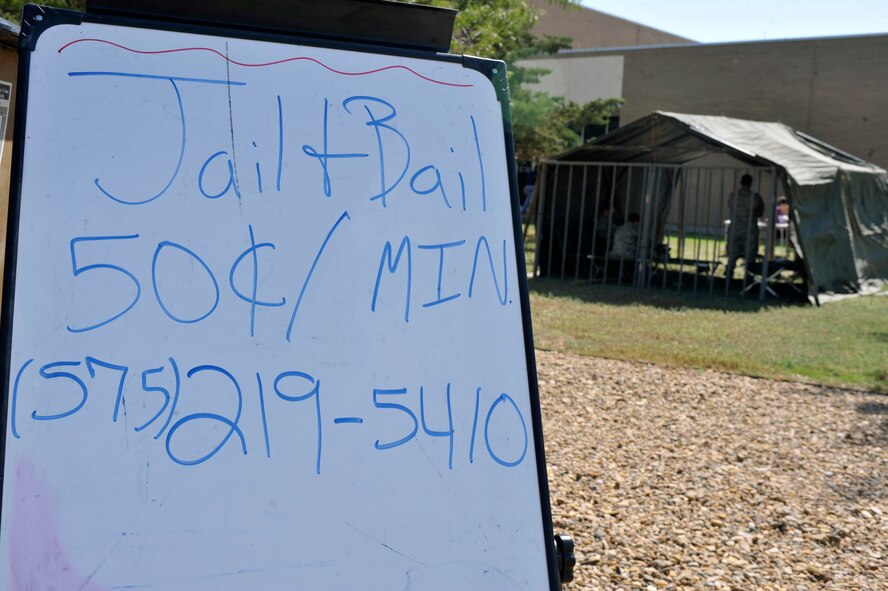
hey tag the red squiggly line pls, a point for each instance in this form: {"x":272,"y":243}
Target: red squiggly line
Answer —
{"x":274,"y":63}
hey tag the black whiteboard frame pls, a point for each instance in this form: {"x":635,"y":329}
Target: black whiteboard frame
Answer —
{"x":37,"y":19}
{"x":375,"y":22}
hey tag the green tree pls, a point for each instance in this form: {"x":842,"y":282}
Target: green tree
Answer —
{"x":497,"y":29}
{"x":543,"y":125}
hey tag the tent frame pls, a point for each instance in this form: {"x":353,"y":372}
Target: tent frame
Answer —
{"x":582,"y":190}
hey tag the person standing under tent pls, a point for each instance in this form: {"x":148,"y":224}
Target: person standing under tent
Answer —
{"x":746,"y":207}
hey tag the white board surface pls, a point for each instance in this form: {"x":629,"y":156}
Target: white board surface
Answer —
{"x":267,"y":328}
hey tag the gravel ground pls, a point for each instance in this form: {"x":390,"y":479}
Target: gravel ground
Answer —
{"x":686,"y":479}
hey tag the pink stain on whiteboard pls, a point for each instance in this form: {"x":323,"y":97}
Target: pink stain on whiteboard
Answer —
{"x":37,"y":558}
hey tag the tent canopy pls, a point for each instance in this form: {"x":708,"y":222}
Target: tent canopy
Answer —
{"x":677,"y":138}
{"x":840,"y":202}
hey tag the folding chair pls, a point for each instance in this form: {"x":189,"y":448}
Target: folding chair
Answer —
{"x":776,"y":268}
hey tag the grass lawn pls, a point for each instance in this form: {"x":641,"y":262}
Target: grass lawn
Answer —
{"x":841,"y":344}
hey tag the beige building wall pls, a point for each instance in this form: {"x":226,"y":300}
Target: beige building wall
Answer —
{"x":591,"y":28}
{"x":835,"y":89}
{"x":582,"y":80}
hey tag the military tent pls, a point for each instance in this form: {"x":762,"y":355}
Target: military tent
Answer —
{"x":839,"y":203}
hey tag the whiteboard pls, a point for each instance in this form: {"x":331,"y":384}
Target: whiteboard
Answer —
{"x":268,"y":327}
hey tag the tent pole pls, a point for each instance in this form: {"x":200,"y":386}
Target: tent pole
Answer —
{"x":567,"y":212}
{"x":698,"y":225}
{"x":610,"y":222}
{"x":729,"y":277}
{"x":654,"y":221}
{"x":770,"y":208}
{"x":540,"y":207}
{"x":596,"y":211}
{"x":580,"y":226}
{"x":711,"y":251}
{"x":672,"y":201}
{"x":625,"y":208}
{"x":552,"y":222}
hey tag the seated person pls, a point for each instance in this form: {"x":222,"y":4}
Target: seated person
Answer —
{"x":782,"y":210}
{"x":528,"y":198}
{"x":529,"y":188}
{"x":626,"y":239}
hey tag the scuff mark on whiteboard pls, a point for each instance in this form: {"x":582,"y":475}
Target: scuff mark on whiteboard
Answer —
{"x":231,"y":126}
{"x":38,"y":559}
{"x":384,"y":545}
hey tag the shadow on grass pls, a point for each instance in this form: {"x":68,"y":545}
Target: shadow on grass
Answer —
{"x":880,"y":383}
{"x":616,"y":295}
{"x":879,"y":336}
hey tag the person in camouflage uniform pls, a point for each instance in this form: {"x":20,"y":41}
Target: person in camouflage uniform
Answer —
{"x":746,"y":207}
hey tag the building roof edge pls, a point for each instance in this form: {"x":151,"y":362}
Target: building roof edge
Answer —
{"x":628,"y":48}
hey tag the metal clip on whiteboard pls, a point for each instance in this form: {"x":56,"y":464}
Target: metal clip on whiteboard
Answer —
{"x":565,"y":557}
